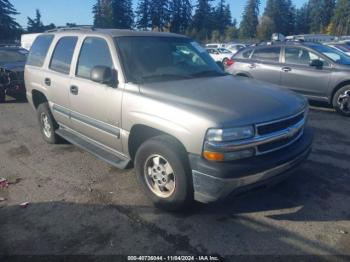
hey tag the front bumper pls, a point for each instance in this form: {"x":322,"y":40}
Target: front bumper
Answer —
{"x":213,"y":181}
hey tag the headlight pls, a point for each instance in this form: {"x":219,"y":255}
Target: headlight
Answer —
{"x":227,"y":135}
{"x":231,"y":134}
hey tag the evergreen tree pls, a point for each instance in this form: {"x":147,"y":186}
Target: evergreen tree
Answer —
{"x":35,"y":25}
{"x":265,"y":28}
{"x":202,"y":24}
{"x":180,"y":15}
{"x":302,"y":20}
{"x":282,"y":14}
{"x":103,"y":14}
{"x":222,"y":17}
{"x":159,"y":14}
{"x":123,"y":16}
{"x":8,"y":26}
{"x":250,"y":19}
{"x":341,"y":18}
{"x":321,"y":12}
{"x":143,"y":15}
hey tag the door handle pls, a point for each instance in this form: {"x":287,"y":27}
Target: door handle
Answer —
{"x":286,"y":69}
{"x":74,"y":90}
{"x":47,"y":81}
{"x":251,"y":66}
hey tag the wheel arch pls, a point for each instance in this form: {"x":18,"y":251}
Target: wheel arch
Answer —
{"x":38,"y":98}
{"x":140,"y":133}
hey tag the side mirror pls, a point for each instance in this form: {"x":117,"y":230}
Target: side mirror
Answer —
{"x":103,"y":75}
{"x":221,"y":65}
{"x":316,"y":63}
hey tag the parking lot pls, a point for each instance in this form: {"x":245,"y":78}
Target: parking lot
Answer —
{"x":80,"y":205}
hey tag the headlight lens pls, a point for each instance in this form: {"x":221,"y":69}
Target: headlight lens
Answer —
{"x":230,"y":134}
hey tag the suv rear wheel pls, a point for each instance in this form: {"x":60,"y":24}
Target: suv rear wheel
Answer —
{"x":162,"y":169}
{"x":48,"y":124}
{"x":341,"y":101}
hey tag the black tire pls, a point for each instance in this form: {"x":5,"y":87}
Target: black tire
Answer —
{"x":342,"y":96}
{"x":50,"y":137}
{"x":171,"y":150}
{"x":2,"y":95}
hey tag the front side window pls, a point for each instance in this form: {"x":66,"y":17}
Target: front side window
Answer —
{"x":94,"y":52}
{"x":300,"y":56}
{"x":333,"y":54}
{"x":147,"y":59}
{"x":271,"y":54}
{"x":39,"y":50}
{"x":62,"y":56}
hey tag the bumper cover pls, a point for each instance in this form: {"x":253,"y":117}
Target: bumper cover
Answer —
{"x":213,"y":181}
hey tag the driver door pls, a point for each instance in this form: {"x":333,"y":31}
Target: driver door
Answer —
{"x":298,"y":75}
{"x":96,"y":107}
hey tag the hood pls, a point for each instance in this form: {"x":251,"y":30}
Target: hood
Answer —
{"x":13,"y":66}
{"x":227,"y":101}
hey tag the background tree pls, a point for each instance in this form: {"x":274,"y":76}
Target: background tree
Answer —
{"x":160,"y":15}
{"x":250,"y":20}
{"x":265,"y":28}
{"x":341,"y":18}
{"x":321,"y":12}
{"x":222,"y":17}
{"x":143,"y":20}
{"x":9,"y":28}
{"x":282,"y":14}
{"x":103,"y":14}
{"x":231,"y":32}
{"x":122,"y":14}
{"x":35,"y":25}
{"x":180,"y":15}
{"x":202,"y":24}
{"x":302,"y":20}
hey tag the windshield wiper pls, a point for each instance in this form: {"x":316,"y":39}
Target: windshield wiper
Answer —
{"x":208,"y":73}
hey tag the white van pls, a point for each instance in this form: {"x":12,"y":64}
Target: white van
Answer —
{"x":27,"y":40}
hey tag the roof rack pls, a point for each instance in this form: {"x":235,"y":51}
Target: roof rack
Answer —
{"x":72,"y":28}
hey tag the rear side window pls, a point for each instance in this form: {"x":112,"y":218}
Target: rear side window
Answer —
{"x":94,"y":52}
{"x":245,"y":54}
{"x":271,"y":54}
{"x":39,"y":50}
{"x":62,"y":56}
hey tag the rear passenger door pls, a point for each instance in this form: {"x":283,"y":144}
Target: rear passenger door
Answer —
{"x":265,"y":64}
{"x":96,"y":107}
{"x":58,"y":80}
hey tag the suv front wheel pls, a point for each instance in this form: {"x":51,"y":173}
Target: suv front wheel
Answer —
{"x":341,"y":101}
{"x":163,"y":171}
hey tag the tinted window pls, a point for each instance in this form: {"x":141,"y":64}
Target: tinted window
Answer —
{"x":267,"y":54}
{"x":62,"y":56}
{"x":39,"y":50}
{"x":13,"y":55}
{"x":94,"y":52}
{"x":300,"y":56}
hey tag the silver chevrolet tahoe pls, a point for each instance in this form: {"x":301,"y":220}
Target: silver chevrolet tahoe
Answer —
{"x":158,"y":102}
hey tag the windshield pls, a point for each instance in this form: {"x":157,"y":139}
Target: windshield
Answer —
{"x":333,"y":54}
{"x":151,"y":59}
{"x":11,"y":56}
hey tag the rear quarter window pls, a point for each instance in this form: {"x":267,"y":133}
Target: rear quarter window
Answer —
{"x":39,"y":50}
{"x":244,"y":54}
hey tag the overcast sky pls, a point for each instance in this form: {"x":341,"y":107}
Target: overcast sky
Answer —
{"x":60,"y":12}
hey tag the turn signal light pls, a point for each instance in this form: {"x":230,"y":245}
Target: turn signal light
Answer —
{"x":213,"y":156}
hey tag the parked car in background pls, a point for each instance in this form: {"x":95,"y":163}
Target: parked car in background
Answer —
{"x":221,"y":55}
{"x":158,"y":102}
{"x":343,"y":47}
{"x":12,"y":61}
{"x":215,"y":45}
{"x":27,"y":40}
{"x":317,"y":71}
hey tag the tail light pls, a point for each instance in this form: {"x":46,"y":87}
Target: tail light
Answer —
{"x":230,"y":62}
